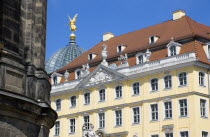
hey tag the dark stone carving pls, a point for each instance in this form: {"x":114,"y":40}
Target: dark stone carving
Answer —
{"x":24,"y":86}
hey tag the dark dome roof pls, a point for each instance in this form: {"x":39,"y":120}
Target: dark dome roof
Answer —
{"x":63,"y":56}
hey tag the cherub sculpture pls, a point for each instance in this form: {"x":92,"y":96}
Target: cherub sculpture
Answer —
{"x":71,"y":23}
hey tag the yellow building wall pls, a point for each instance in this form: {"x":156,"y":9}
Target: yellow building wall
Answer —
{"x":193,"y":123}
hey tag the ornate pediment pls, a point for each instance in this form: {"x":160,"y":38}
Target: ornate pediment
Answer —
{"x":100,"y":75}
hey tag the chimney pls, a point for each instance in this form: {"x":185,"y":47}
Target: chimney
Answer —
{"x":107,"y":36}
{"x":177,"y":14}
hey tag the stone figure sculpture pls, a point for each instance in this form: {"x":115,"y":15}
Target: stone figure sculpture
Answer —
{"x":89,"y":132}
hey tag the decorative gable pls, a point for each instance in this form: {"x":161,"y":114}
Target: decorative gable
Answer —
{"x":100,"y":75}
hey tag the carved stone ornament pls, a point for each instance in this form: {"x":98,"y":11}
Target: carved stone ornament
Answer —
{"x":123,"y":59}
{"x":88,"y":131}
{"x":147,"y":54}
{"x":104,"y":55}
{"x":168,"y":128}
{"x":167,"y":100}
{"x":101,"y":76}
{"x":135,"y":135}
{"x":85,"y":70}
{"x":66,"y":75}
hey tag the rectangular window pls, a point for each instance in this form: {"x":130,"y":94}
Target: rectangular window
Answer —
{"x":57,"y":128}
{"x":102,"y":95}
{"x":118,"y":116}
{"x":184,"y":134}
{"x":86,"y":121}
{"x":204,"y":134}
{"x":136,"y":115}
{"x":168,"y":109}
{"x":203,"y":107}
{"x":141,"y":59}
{"x":155,"y":135}
{"x":183,"y":107}
{"x":101,"y":120}
{"x":169,"y":135}
{"x":154,"y":112}
{"x":168,"y":82}
{"x":183,"y":79}
{"x":72,"y":125}
{"x":154,"y":84}
{"x":118,"y":90}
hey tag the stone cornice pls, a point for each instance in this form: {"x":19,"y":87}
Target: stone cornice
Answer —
{"x":135,"y":103}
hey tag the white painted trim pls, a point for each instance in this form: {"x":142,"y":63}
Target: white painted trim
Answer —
{"x":163,"y":78}
{"x":207,"y":106}
{"x":154,"y":134}
{"x":86,"y":91}
{"x":115,"y":122}
{"x":132,"y":88}
{"x":132,"y":114}
{"x":70,"y":105}
{"x":207,"y":49}
{"x":70,"y":124}
{"x":150,"y":84}
{"x":79,"y":69}
{"x":99,"y":120}
{"x":150,"y":111}
{"x":99,"y":95}
{"x":58,"y":120}
{"x":178,"y":99}
{"x":205,"y":79}
{"x":115,"y":95}
{"x":164,"y":115}
{"x":139,"y":54}
{"x":186,"y":78}
{"x":56,"y":104}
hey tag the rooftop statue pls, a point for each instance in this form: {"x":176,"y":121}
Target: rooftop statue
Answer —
{"x":71,"y":23}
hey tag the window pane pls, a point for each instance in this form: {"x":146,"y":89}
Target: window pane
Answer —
{"x":136,"y":88}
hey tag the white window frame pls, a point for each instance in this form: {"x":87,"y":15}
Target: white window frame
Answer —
{"x":132,"y":112}
{"x":207,"y":50}
{"x":71,"y":103}
{"x":84,"y":101}
{"x":99,"y":120}
{"x":204,"y":78}
{"x":70,"y":125}
{"x":206,"y":106}
{"x":56,"y":104}
{"x":169,"y":133}
{"x":115,"y":93}
{"x":99,"y":97}
{"x":164,"y":114}
{"x":84,"y":120}
{"x":151,"y":84}
{"x":184,"y":130}
{"x":164,"y":85}
{"x":115,"y":118}
{"x":59,"y":128}
{"x":204,"y":131}
{"x":186,"y":79}
{"x":172,"y":43}
{"x":77,"y":70}
{"x":150,"y":110}
{"x":137,"y":58}
{"x":133,"y":90}
{"x":179,"y":107}
{"x":89,"y":56}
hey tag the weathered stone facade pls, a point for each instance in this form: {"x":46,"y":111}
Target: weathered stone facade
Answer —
{"x":24,"y":88}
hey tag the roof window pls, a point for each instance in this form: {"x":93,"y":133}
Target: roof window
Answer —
{"x":120,"y":48}
{"x":91,"y":56}
{"x":153,"y":39}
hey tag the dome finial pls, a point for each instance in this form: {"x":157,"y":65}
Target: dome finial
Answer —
{"x":73,"y":27}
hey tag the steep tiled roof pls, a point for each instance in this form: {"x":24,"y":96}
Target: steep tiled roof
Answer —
{"x":137,"y":40}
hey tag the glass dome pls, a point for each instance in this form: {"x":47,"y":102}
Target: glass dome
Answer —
{"x":63,"y":56}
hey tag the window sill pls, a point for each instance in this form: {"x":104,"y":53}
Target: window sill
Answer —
{"x":168,"y":118}
{"x":154,"y":121}
{"x":153,"y":91}
{"x":101,"y":101}
{"x":73,"y":107}
{"x":56,"y":135}
{"x":133,"y":124}
{"x":183,"y":117}
{"x":118,"y":98}
{"x":118,"y":126}
{"x":180,"y":86}
{"x":203,"y":86}
{"x":134,"y":95}
{"x":204,"y":117}
{"x":72,"y":133}
{"x":167,"y":89}
{"x":58,"y":110}
{"x":101,"y":127}
{"x":86,"y":104}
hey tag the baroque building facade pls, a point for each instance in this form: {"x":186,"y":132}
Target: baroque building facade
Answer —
{"x":25,"y":109}
{"x":151,"y":82}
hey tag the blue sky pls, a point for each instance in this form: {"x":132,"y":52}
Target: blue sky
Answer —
{"x":117,"y":16}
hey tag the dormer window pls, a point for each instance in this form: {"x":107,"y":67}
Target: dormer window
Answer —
{"x":173,"y":48}
{"x":56,"y":77}
{"x":140,"y":58}
{"x":207,"y":49}
{"x":91,"y":56}
{"x":77,"y":73}
{"x":120,"y":48}
{"x":153,"y":39}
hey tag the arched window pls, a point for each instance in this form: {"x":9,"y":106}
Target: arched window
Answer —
{"x":102,"y":95}
{"x":73,"y":101}
{"x":118,"y":91}
{"x":136,"y":88}
{"x":201,"y":78}
{"x":154,"y":84}
{"x":140,"y":59}
{"x":58,"y":104}
{"x":87,"y":98}
{"x":168,"y":82}
{"x":183,"y":79}
{"x":172,"y":50}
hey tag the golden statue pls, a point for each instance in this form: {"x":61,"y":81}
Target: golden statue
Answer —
{"x":71,"y":23}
